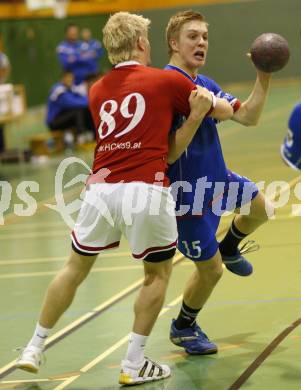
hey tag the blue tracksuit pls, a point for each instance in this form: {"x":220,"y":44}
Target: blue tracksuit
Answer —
{"x":61,"y":99}
{"x":80,"y":58}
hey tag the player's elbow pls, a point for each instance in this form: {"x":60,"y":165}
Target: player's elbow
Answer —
{"x":247,"y":116}
{"x":245,"y":120}
{"x":251,"y":122}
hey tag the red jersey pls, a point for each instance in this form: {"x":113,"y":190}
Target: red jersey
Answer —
{"x":133,"y":107}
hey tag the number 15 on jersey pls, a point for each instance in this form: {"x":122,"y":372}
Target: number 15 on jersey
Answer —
{"x":193,"y":249}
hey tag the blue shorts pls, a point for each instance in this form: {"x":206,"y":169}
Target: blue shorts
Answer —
{"x":197,"y":239}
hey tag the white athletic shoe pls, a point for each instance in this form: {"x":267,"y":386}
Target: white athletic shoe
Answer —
{"x":30,"y":359}
{"x":147,"y":371}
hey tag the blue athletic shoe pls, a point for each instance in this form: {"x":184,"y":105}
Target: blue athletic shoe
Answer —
{"x":237,"y":263}
{"x":192,"y":339}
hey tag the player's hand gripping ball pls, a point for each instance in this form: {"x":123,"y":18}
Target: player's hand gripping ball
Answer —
{"x":270,"y":52}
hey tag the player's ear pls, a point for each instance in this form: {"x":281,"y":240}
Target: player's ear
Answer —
{"x":173,"y":44}
{"x":141,"y":43}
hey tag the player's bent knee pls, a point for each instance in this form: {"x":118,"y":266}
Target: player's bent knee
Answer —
{"x":79,"y":266}
{"x":158,"y":272}
{"x":215,"y":273}
{"x":262,"y":208}
{"x":210,"y":271}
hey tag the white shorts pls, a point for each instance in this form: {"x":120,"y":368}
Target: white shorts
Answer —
{"x":143,"y":213}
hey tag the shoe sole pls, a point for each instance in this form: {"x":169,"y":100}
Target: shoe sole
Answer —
{"x":28,"y":368}
{"x":123,"y":380}
{"x":239,"y":274}
{"x":207,"y":352}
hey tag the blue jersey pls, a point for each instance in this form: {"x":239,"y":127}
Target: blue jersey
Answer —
{"x":203,"y":157}
{"x":291,"y":147}
{"x":79,"y":57}
{"x":61,"y":99}
{"x":91,"y":52}
{"x":69,"y":57}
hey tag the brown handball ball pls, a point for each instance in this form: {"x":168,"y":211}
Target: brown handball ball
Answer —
{"x":270,"y":52}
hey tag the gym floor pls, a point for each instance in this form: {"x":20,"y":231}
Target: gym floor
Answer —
{"x":254,"y":320}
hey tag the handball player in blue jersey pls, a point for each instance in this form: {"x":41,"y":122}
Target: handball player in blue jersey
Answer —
{"x":291,"y":147}
{"x":203,"y":186}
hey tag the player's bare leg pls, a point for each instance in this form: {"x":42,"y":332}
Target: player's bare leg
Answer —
{"x":184,"y":330}
{"x":59,"y":296}
{"x":135,"y":367}
{"x":151,"y":296}
{"x":202,"y":282}
{"x":241,"y":227}
{"x":62,"y":289}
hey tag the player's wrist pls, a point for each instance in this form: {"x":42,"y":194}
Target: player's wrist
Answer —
{"x":263,"y":77}
{"x":214,"y":100}
{"x":213,"y":103}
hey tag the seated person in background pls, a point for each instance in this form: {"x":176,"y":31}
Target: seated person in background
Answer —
{"x":67,"y":109}
{"x":4,"y":68}
{"x":91,"y":50}
{"x":84,"y":87}
{"x":291,"y":147}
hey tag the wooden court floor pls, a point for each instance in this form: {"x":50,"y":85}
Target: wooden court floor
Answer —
{"x":255,"y":320}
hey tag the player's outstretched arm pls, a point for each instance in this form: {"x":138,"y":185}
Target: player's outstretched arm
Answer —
{"x":250,"y":110}
{"x":200,"y":101}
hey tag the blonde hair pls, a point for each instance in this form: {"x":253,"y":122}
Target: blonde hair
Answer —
{"x":177,"y":21}
{"x":121,"y":33}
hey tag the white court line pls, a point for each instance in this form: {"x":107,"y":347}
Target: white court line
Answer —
{"x":32,"y":225}
{"x":57,"y":233}
{"x":291,"y":183}
{"x":20,"y":381}
{"x":110,"y":350}
{"x":296,"y":180}
{"x":54,"y":272}
{"x":58,"y":258}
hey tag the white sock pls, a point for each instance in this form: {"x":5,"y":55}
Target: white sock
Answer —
{"x":136,"y":347}
{"x":39,"y":337}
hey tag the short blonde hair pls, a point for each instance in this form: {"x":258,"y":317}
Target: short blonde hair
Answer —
{"x":177,"y":21}
{"x":121,"y":33}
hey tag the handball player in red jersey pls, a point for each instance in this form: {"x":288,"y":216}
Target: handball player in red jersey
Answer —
{"x":128,"y":192}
